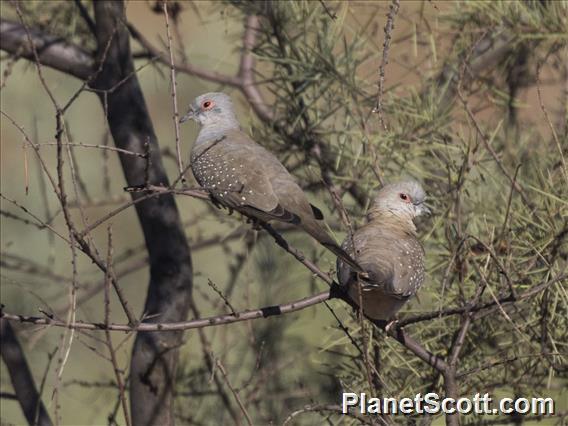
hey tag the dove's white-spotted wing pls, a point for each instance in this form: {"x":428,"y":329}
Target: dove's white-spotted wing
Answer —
{"x":238,"y":173}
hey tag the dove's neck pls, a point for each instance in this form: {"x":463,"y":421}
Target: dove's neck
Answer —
{"x":215,"y":130}
{"x":386,"y":218}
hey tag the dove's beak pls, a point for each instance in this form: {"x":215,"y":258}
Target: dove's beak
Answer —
{"x":423,"y":209}
{"x":190,"y":115}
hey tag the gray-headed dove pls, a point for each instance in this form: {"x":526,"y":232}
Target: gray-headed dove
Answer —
{"x":242,"y":175}
{"x":388,"y":250}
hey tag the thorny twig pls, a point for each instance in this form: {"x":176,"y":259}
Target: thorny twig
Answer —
{"x":111,"y":350}
{"x":173,"y":83}
{"x":222,"y":296}
{"x":545,"y":112}
{"x":59,"y":186}
{"x":233,"y":391}
{"x":389,"y":26}
{"x":206,"y":349}
{"x":328,"y":11}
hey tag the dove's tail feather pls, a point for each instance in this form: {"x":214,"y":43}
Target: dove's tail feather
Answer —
{"x":316,"y":231}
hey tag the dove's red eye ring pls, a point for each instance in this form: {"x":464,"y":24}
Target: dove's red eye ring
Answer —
{"x":405,"y":197}
{"x":207,"y":105}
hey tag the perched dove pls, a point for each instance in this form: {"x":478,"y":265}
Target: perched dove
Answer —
{"x":242,"y":175}
{"x":388,"y":250}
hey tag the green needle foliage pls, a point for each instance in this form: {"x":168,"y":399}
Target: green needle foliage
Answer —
{"x":497,"y":182}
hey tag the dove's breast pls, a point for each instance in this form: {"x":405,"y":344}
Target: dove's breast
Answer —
{"x":394,"y":261}
{"x":218,"y":172}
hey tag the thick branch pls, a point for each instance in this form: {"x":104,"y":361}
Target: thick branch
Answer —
{"x":243,"y":80}
{"x":154,"y":355}
{"x":53,"y":52}
{"x":265,"y":312}
{"x":21,"y":377}
{"x":336,"y":292}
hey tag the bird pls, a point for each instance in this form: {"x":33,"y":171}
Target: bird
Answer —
{"x":388,"y":249}
{"x":242,"y":175}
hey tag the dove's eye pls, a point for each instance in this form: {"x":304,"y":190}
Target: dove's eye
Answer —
{"x":404,"y":197}
{"x":207,"y":105}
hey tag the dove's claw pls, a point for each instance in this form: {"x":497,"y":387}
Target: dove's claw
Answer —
{"x":215,"y":202}
{"x":390,"y":325}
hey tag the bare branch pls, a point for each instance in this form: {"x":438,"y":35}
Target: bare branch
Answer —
{"x":117,"y":373}
{"x":173,"y":83}
{"x":52,"y":51}
{"x":389,"y":26}
{"x":265,"y":312}
{"x":233,"y":391}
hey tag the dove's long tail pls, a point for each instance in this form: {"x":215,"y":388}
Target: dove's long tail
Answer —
{"x":316,"y":231}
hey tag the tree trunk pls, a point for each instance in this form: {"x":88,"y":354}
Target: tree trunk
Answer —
{"x":155,"y":355}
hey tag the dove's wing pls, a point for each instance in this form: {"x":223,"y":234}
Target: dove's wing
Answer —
{"x":242,"y":175}
{"x":237,"y":172}
{"x":409,"y":273}
{"x":379,"y":270}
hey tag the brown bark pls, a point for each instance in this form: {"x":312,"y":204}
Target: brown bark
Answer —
{"x":154,"y":355}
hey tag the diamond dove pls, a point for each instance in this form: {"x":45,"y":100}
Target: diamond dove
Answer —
{"x":388,"y":249}
{"x":242,"y":175}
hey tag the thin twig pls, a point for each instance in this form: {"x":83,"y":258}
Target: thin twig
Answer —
{"x":389,"y":26}
{"x":222,"y":296}
{"x":101,"y":147}
{"x":206,"y":349}
{"x":117,"y":373}
{"x":43,"y":191}
{"x":173,"y":83}
{"x":64,"y":348}
{"x":39,"y":223}
{"x":489,"y":148}
{"x":233,"y":391}
{"x":329,"y":13}
{"x":86,"y":17}
{"x":361,"y":317}
{"x":545,"y":113}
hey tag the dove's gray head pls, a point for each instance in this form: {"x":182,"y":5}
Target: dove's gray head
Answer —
{"x":404,"y":200}
{"x":214,"y":112}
